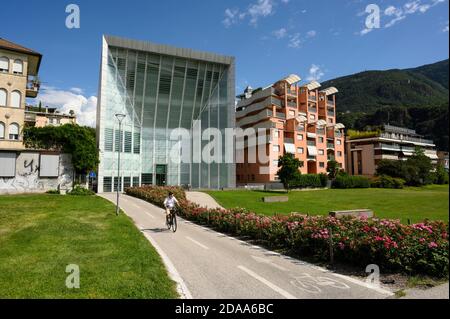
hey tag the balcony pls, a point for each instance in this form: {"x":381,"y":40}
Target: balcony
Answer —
{"x":330,"y":146}
{"x":33,"y":86}
{"x":312,"y":98}
{"x":331,"y":158}
{"x":330,"y":103}
{"x":388,"y":147}
{"x":311,"y":143}
{"x":312,"y":109}
{"x":30,"y":117}
{"x":280,"y":115}
{"x":277,"y":102}
{"x":406,"y":138}
{"x":330,"y":114}
{"x":292,"y":104}
{"x":320,"y":131}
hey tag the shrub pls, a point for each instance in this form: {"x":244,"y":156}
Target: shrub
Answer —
{"x":385,"y":181}
{"x":419,"y":248}
{"x":308,"y":180}
{"x":345,"y":181}
{"x":53,"y":192}
{"x":80,"y":191}
{"x":441,"y":175}
{"x":323,"y":179}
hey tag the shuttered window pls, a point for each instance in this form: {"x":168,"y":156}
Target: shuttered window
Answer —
{"x":128,"y":141}
{"x":4,"y":64}
{"x":107,"y":184}
{"x":14,"y":131}
{"x":137,"y":143}
{"x":3,"y":95}
{"x":18,"y":66}
{"x":16,"y":99}
{"x":109,"y":136}
{"x":7,"y":164}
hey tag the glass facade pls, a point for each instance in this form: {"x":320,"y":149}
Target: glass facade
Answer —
{"x":159,"y":89}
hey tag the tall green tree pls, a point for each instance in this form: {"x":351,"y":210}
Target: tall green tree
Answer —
{"x":79,"y":141}
{"x":332,"y":169}
{"x":289,"y":170}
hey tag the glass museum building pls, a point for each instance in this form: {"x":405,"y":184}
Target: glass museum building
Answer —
{"x":161,"y":88}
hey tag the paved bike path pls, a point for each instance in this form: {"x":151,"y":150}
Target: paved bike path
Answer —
{"x":208,"y":264}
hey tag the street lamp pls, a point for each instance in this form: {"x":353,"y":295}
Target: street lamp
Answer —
{"x":120,"y":118}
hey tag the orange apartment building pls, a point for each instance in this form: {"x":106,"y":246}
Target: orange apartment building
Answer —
{"x":297,"y":119}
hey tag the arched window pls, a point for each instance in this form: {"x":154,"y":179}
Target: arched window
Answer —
{"x":2,"y":130}
{"x":16,"y":99}
{"x":14,"y":131}
{"x":3,"y":95}
{"x":18,"y":66}
{"x":4,"y":64}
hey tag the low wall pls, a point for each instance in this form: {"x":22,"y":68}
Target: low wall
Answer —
{"x":27,"y":175}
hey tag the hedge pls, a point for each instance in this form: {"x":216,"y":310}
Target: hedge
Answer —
{"x":346,"y":181}
{"x":414,"y":249}
{"x":385,"y":181}
{"x":311,"y":180}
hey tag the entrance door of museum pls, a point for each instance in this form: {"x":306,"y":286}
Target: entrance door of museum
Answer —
{"x":161,"y":175}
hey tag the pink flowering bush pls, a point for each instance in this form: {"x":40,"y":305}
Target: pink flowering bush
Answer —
{"x":419,"y":248}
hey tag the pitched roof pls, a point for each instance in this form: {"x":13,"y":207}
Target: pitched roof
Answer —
{"x":34,"y":60}
{"x":8,"y":45}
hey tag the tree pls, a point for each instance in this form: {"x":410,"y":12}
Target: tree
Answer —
{"x":289,"y":170}
{"x":441,"y":175}
{"x":391,"y":168}
{"x":79,"y":141}
{"x":332,"y":169}
{"x":420,"y":168}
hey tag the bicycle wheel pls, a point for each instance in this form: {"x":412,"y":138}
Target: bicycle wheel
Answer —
{"x":168,"y":221}
{"x":174,"y":222}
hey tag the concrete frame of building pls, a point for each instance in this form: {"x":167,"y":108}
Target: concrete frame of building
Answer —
{"x":160,"y":88}
{"x":392,"y":143}
{"x":298,"y":119}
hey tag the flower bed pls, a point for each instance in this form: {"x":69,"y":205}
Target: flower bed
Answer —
{"x":414,"y":249}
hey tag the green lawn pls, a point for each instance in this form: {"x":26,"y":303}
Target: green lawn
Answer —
{"x":41,"y":234}
{"x":414,"y":203}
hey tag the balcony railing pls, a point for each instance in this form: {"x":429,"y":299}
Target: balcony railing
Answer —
{"x":330,"y":145}
{"x":391,"y":147}
{"x":280,"y":115}
{"x":330,"y":113}
{"x":330,"y":103}
{"x":406,"y":138}
{"x":30,"y":117}
{"x":320,"y":131}
{"x":311,"y":143}
{"x":301,"y":128}
{"x":292,"y":104}
{"x":33,"y":86}
{"x":312,"y":98}
{"x":312,"y":109}
{"x":277,"y":102}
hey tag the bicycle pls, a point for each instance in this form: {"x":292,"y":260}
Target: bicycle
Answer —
{"x":171,"y":220}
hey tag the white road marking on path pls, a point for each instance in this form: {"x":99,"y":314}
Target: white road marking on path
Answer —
{"x":196,"y":242}
{"x":269,"y":262}
{"x":274,"y":287}
{"x":365,"y":284}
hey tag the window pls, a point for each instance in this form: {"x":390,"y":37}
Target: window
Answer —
{"x":291,"y":113}
{"x":339,"y":142}
{"x":16,"y":99}
{"x":300,"y":137}
{"x":118,"y":141}
{"x":126,"y":182}
{"x":7,"y":164}
{"x":14,"y":131}
{"x":312,"y":117}
{"x":276,"y":148}
{"x":147,"y":179}
{"x":300,"y":150}
{"x":117,"y":184}
{"x":18,"y":67}
{"x":321,"y":164}
{"x":2,"y":130}
{"x":109,"y":133}
{"x":320,"y":139}
{"x":128,"y":140}
{"x":276,"y":134}
{"x":49,"y":165}
{"x":321,"y":152}
{"x":3,"y":95}
{"x":136,"y":181}
{"x":107,"y":184}
{"x":4,"y":64}
{"x":339,"y":154}
{"x":137,"y":143}
{"x":275,"y":163}
{"x":330,"y":121}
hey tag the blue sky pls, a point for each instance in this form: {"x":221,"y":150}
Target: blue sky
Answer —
{"x":270,"y":39}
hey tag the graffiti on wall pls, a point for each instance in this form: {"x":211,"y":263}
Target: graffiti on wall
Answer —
{"x":27,"y":175}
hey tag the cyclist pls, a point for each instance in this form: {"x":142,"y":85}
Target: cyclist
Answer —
{"x":169,"y":203}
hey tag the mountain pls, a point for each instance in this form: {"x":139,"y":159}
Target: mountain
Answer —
{"x":417,"y":98}
{"x":368,"y":91}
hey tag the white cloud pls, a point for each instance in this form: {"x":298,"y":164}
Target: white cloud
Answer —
{"x":294,"y":41}
{"x":254,"y":12}
{"x":315,"y":73}
{"x":280,"y":33}
{"x":77,"y":90}
{"x":311,"y":34}
{"x":85,"y":108}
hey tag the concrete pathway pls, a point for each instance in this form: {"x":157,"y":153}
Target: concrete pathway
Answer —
{"x":207,"y":264}
{"x":202,"y":199}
